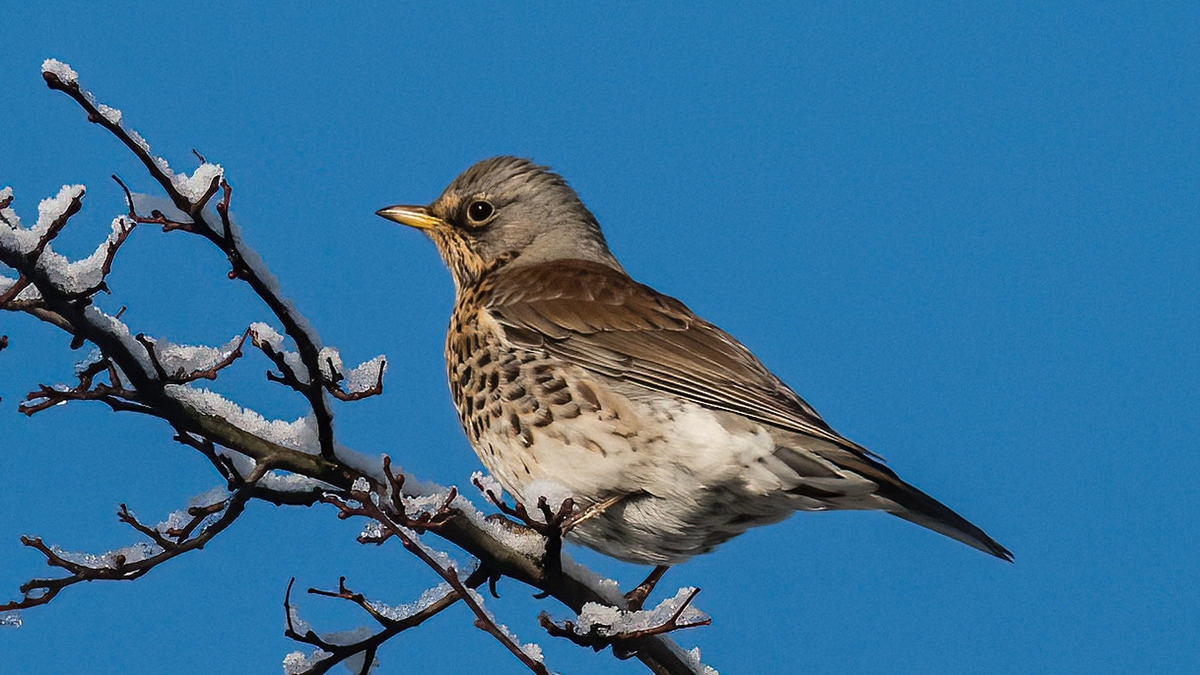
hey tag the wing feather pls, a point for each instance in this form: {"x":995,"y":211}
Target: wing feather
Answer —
{"x":600,"y":319}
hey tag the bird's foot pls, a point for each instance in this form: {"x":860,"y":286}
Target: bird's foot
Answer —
{"x":554,"y":529}
{"x":553,"y":525}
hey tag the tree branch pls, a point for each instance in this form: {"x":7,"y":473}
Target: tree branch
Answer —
{"x":118,"y":566}
{"x":139,"y":382}
{"x":392,"y":625}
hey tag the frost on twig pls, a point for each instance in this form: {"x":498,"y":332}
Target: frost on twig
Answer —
{"x":390,"y":517}
{"x":191,"y":195}
{"x":180,"y":364}
{"x":599,"y":626}
{"x":181,"y":532}
{"x":357,"y":648}
{"x":28,"y":250}
{"x":360,"y":382}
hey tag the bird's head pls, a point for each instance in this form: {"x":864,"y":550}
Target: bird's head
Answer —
{"x":506,"y":208}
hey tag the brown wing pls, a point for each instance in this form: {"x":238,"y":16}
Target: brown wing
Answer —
{"x":602,"y":320}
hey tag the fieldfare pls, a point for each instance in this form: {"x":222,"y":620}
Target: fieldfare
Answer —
{"x":571,"y":378}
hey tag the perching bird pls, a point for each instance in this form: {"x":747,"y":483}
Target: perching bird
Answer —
{"x":571,"y":378}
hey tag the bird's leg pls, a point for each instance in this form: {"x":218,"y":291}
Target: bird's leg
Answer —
{"x":554,"y":530}
{"x":637,"y":597}
{"x":553,"y":526}
{"x":559,"y":524}
{"x":590,"y":512}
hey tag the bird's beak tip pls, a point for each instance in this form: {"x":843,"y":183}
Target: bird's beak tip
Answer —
{"x":412,"y":216}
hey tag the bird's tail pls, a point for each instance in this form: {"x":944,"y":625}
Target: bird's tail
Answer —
{"x":917,"y":507}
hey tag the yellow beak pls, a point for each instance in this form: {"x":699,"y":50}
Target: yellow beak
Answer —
{"x":412,"y":216}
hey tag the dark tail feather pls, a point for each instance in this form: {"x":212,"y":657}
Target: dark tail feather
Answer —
{"x":918,"y":507}
{"x":928,"y":512}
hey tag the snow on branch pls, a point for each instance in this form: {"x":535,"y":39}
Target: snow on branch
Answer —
{"x":362,"y":381}
{"x":299,"y":462}
{"x":177,"y":535}
{"x":191,"y":196}
{"x":599,"y":626}
{"x":357,"y":648}
{"x":390,"y":518}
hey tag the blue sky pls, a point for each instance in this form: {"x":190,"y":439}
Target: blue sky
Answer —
{"x":966,"y":235}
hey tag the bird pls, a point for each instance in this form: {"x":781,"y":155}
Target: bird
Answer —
{"x":571,"y":379}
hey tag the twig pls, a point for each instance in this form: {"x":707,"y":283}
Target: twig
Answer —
{"x":553,"y":527}
{"x":56,"y":226}
{"x":624,"y":643}
{"x":181,"y":376}
{"x":398,"y":525}
{"x":41,"y":591}
{"x":369,"y":645}
{"x":307,"y":345}
{"x":334,"y":385}
{"x":156,"y":217}
{"x":13,"y":291}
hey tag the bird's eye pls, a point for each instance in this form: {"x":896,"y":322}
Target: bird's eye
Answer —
{"x":479,"y":211}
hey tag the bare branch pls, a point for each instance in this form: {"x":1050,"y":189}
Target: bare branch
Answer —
{"x":368,"y":646}
{"x":112,"y":394}
{"x":117,"y":567}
